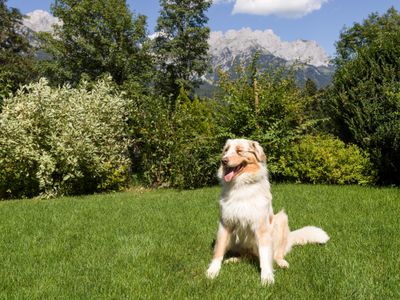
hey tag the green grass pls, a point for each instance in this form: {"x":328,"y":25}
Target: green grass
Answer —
{"x":157,"y":245}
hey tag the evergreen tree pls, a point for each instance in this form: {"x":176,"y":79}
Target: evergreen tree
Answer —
{"x":97,"y":37}
{"x":16,"y":54}
{"x":316,"y":106}
{"x":310,"y":88}
{"x":364,"y":100}
{"x":181,"y":45}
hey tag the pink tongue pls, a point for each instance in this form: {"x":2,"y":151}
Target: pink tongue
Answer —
{"x":228,"y":177}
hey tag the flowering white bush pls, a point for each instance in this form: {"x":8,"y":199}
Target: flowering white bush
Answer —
{"x":59,"y":141}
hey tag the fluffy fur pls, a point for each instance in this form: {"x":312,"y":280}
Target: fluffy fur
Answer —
{"x":247,"y":224}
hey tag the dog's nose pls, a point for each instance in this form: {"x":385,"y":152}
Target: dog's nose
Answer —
{"x":225,"y":160}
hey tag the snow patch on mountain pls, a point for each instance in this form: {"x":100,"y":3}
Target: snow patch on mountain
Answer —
{"x":239,"y":42}
{"x":40,"y":20}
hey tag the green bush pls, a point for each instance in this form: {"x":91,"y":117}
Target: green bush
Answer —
{"x":198,"y":146}
{"x":175,"y":147}
{"x":323,"y":159}
{"x":63,"y":140}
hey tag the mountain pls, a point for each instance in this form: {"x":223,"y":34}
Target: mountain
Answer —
{"x":40,"y":20}
{"x":239,"y":42}
{"x":234,"y":47}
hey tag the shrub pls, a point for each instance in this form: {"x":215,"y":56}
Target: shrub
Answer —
{"x":323,"y":159}
{"x":175,"y":147}
{"x":62,"y":141}
{"x":198,"y":146}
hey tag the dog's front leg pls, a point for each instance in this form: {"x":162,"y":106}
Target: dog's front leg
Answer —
{"x":221,"y":245}
{"x":264,"y":239}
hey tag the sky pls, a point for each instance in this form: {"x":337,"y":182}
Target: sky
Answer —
{"x":318,"y":20}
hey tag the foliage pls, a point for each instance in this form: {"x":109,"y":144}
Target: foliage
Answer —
{"x":16,"y":59}
{"x":67,"y":141}
{"x":96,"y":37}
{"x":310,"y":87}
{"x":363,"y":35}
{"x":267,"y":107}
{"x":175,"y":148}
{"x":181,"y":45}
{"x":62,"y":140}
{"x":259,"y":100}
{"x":363,"y":101}
{"x":270,"y":108}
{"x":325,"y":159}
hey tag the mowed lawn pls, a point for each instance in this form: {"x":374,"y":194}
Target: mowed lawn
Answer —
{"x":157,"y":245}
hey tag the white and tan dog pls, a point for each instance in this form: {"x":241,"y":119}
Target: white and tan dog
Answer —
{"x":247,"y":224}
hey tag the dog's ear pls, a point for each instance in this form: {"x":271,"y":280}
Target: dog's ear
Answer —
{"x":258,"y":151}
{"x":227,"y":145}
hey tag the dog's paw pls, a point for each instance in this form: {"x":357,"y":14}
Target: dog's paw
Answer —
{"x":282,"y":263}
{"x":267,"y":278}
{"x":213,"y":269}
{"x":232,"y":260}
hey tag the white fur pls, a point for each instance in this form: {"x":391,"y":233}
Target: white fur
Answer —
{"x":214,"y":268}
{"x":306,"y":235}
{"x":267,"y":273}
{"x":247,"y":214}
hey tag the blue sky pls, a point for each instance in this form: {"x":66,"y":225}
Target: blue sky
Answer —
{"x":318,"y":20}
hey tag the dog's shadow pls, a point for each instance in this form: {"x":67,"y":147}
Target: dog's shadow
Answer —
{"x":236,"y":257}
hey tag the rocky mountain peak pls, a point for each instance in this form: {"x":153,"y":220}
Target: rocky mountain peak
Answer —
{"x":40,"y":20}
{"x":267,"y":42}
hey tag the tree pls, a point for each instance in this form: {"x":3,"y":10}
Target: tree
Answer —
{"x":310,"y":87}
{"x":316,"y":107}
{"x":97,"y":37}
{"x":364,"y":102}
{"x":272,"y":111}
{"x":16,"y":54}
{"x":362,"y":35}
{"x":181,"y":45}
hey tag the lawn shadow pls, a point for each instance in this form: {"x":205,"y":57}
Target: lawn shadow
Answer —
{"x":248,"y":258}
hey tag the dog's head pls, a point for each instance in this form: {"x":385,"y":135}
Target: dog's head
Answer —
{"x":241,"y":157}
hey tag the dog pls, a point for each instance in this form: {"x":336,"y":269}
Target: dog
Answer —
{"x":247,"y":223}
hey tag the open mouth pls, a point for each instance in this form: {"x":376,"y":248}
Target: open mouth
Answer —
{"x":230,"y":172}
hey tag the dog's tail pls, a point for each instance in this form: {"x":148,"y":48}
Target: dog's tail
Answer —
{"x":306,"y":235}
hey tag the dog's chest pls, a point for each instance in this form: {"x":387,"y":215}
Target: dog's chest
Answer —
{"x":244,"y":208}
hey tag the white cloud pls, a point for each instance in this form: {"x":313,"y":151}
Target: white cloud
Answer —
{"x":283,"y":8}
